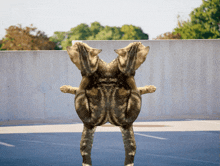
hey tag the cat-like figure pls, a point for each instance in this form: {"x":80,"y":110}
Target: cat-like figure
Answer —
{"x":108,"y":93}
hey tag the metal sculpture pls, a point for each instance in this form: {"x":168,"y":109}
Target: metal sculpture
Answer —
{"x":108,"y":93}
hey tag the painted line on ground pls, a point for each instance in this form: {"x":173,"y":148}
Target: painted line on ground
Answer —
{"x":51,"y":143}
{"x":46,"y":143}
{"x":5,"y":144}
{"x":151,"y":136}
{"x":208,"y":122}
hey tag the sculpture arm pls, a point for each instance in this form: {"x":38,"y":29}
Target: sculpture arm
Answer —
{"x":131,"y":82}
{"x":147,"y":89}
{"x":69,"y":89}
{"x":142,"y":90}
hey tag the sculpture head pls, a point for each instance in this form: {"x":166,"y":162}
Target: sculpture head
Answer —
{"x":132,"y":56}
{"x":84,"y":57}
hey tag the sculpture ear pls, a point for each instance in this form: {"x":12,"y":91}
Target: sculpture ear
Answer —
{"x":74,"y":55}
{"x":127,"y":59}
{"x":93,"y":58}
{"x":121,"y":51}
{"x":95,"y":51}
{"x":141,"y":55}
{"x":88,"y":59}
{"x":122,"y":57}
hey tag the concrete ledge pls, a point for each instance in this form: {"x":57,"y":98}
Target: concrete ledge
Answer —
{"x":38,"y":122}
{"x":70,"y":121}
{"x":163,"y":126}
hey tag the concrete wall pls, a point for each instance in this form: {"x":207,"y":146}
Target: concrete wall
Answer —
{"x":185,"y":72}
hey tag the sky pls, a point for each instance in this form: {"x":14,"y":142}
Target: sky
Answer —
{"x":155,"y":17}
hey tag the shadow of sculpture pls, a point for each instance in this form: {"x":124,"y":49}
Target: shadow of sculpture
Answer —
{"x":108,"y":93}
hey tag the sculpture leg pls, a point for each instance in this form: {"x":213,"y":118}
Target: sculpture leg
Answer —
{"x":89,"y":107}
{"x":134,"y":107}
{"x":129,"y":144}
{"x":126,"y":106}
{"x":86,"y":144}
{"x":82,"y":107}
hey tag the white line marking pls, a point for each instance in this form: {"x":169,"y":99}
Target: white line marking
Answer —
{"x":206,"y":121}
{"x":182,"y":158}
{"x":151,"y":136}
{"x":5,"y":144}
{"x":46,"y":143}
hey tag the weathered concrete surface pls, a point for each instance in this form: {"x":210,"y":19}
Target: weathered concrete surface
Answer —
{"x":30,"y":86}
{"x":185,"y":72}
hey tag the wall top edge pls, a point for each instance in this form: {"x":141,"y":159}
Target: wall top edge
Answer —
{"x":151,"y":40}
{"x":29,"y":50}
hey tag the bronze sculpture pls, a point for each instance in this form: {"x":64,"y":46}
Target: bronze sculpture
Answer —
{"x":108,"y":93}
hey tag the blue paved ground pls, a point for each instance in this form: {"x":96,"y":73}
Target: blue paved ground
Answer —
{"x":174,"y":148}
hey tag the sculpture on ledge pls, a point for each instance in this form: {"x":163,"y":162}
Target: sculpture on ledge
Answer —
{"x":108,"y":93}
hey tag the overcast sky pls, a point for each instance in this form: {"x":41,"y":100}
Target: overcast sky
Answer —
{"x":153,"y":16}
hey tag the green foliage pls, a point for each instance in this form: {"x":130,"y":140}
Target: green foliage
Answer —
{"x":109,"y":33}
{"x":97,"y":32}
{"x":57,"y":38}
{"x":0,"y":44}
{"x":131,"y":32}
{"x":80,"y":32}
{"x":203,"y":23}
{"x":95,"y":29}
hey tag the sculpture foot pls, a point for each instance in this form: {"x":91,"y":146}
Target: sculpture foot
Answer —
{"x":86,"y":164}
{"x":130,"y":164}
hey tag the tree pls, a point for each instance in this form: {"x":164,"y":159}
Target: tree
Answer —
{"x":18,"y":38}
{"x":203,"y":23}
{"x":98,"y":32}
{"x":131,"y":32}
{"x":57,"y":38}
{"x":95,"y":28}
{"x":109,"y":33}
{"x":80,"y":32}
{"x":167,"y":36}
{"x":0,"y":44}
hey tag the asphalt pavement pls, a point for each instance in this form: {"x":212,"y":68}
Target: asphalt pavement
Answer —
{"x":164,"y":143}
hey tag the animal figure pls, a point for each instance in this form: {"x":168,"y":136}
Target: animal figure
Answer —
{"x":108,"y":93}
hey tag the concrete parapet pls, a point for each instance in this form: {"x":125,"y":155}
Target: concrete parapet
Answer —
{"x":185,"y":72}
